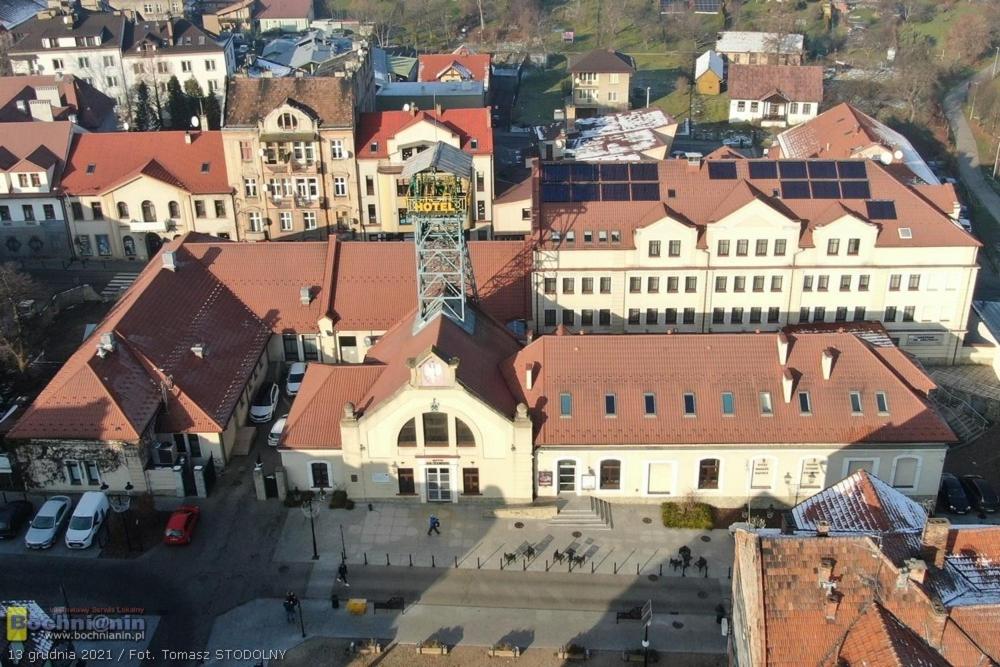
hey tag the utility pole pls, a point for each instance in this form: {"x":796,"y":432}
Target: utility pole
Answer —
{"x":972,"y":113}
{"x":996,"y":58}
{"x":996,"y":160}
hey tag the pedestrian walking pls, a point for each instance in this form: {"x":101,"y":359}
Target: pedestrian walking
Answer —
{"x":434,"y":525}
{"x":290,"y":607}
{"x":342,"y":574}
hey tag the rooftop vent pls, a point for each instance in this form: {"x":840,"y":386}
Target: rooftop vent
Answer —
{"x":832,"y":605}
{"x":170,"y":260}
{"x":305,"y":296}
{"x":199,"y":350}
{"x":787,"y":382}
{"x":823,"y":530}
{"x":782,"y":348}
{"x":106,"y":344}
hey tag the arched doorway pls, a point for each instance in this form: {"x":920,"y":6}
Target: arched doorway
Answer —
{"x":153,"y":244}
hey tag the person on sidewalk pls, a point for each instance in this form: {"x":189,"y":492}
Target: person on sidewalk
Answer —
{"x":434,"y":525}
{"x":289,"y":608}
{"x":342,"y":574}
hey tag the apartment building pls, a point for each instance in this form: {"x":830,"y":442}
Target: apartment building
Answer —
{"x":150,"y":10}
{"x":129,"y":192}
{"x":291,"y":157}
{"x":65,"y":40}
{"x":600,"y":83}
{"x":387,"y":139}
{"x":32,"y":165}
{"x":158,"y":50}
{"x":745,"y":245}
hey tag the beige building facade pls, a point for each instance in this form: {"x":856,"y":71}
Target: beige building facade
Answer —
{"x":600,"y":84}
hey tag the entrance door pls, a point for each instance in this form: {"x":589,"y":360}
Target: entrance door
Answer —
{"x":439,"y":485}
{"x":470,"y":481}
{"x":567,"y":476}
{"x":406,"y":486}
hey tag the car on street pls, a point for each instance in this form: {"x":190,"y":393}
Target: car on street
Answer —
{"x":13,"y":515}
{"x":264,"y":403}
{"x":50,"y":519}
{"x":980,"y":493}
{"x":87,"y":520}
{"x":180,"y":526}
{"x":296,"y":372}
{"x":951,"y":495}
{"x":275,"y":435}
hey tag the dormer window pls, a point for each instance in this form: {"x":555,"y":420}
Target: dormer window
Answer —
{"x":287,"y":121}
{"x":373,"y":147}
{"x":689,"y":405}
{"x":473,"y":144}
{"x":204,"y":167}
{"x":766,"y":407}
{"x":728,"y":404}
{"x":565,"y":404}
{"x":856,"y":403}
{"x":610,"y":405}
{"x":805,"y":404}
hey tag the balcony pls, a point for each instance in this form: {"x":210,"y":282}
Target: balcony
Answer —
{"x":297,"y":201}
{"x":287,"y":165}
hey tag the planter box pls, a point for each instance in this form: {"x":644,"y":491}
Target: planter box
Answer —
{"x":504,"y":652}
{"x":432,"y":650}
{"x":566,"y":655}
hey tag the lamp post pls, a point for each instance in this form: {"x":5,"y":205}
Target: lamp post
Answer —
{"x":312,"y":511}
{"x":120,"y":504}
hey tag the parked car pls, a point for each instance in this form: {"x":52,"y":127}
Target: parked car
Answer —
{"x":180,"y":526}
{"x":87,"y":519}
{"x":980,"y":493}
{"x":49,"y":520}
{"x":951,"y":495}
{"x":275,"y":435}
{"x":296,"y":372}
{"x":264,"y":403}
{"x":13,"y":515}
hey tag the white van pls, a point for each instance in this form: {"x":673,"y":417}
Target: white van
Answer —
{"x":87,"y":519}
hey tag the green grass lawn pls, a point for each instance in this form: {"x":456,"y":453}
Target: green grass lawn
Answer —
{"x":937,"y":28}
{"x":541,"y":92}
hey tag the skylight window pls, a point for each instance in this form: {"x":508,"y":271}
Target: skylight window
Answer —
{"x":905,"y":233}
{"x":689,"y":405}
{"x":649,"y":404}
{"x":205,"y":167}
{"x":856,"y":402}
{"x":728,"y":403}
{"x":805,"y":404}
{"x":91,"y":168}
{"x":610,"y":405}
{"x":566,"y":404}
{"x":766,"y":407}
{"x":882,"y":402}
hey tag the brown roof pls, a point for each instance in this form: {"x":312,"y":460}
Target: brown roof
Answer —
{"x":329,"y":99}
{"x":515,"y":193}
{"x":23,"y":141}
{"x":76,"y":97}
{"x":683,"y":186}
{"x":314,"y":420}
{"x":589,"y":367}
{"x":284,"y":9}
{"x":603,"y":60}
{"x":796,"y":83}
{"x":879,"y":639}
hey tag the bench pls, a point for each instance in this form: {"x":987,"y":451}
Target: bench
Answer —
{"x":393,"y":603}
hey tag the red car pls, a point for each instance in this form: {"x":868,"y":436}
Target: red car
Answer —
{"x":180,"y":527}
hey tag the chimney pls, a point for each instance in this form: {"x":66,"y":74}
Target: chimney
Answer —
{"x":22,"y":105}
{"x":529,"y":375}
{"x":934,"y":541}
{"x":170,"y":260}
{"x":41,"y":110}
{"x":49,"y":94}
{"x":823,"y":529}
{"x":438,"y":109}
{"x":187,"y":137}
{"x":782,"y":348}
{"x":413,"y":109}
{"x":786,"y":385}
{"x":916,"y":569}
{"x":170,"y":32}
{"x":305,"y":296}
{"x":106,"y":344}
{"x":349,"y":411}
{"x":824,"y":574}
{"x":199,"y":350}
{"x":827,"y":363}
{"x":832,"y":604}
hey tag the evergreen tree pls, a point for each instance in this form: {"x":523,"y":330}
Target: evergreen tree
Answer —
{"x":178,"y":106}
{"x":193,"y":89}
{"x":212,"y":111}
{"x":141,"y":111}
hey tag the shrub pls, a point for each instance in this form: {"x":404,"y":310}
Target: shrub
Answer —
{"x":687,"y":515}
{"x":338,"y":499}
{"x":348,"y":504}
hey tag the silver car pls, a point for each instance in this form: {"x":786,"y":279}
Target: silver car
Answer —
{"x":47,"y":523}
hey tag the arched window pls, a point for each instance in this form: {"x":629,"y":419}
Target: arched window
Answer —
{"x":708,"y":474}
{"x":611,"y":475}
{"x":287,"y":121}
{"x":463,"y":434}
{"x":122,"y":210}
{"x":905,"y":471}
{"x":407,"y":435}
{"x":148,"y":211}
{"x":319,"y":471}
{"x":128,"y":244}
{"x":174,"y":209}
{"x":435,"y":429}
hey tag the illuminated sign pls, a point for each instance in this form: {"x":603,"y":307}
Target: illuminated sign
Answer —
{"x":433,"y":206}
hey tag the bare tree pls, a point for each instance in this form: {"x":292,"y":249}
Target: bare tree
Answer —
{"x":384,"y":15}
{"x":916,"y":79}
{"x":19,"y":330}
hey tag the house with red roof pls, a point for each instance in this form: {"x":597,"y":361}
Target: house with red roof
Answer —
{"x":774,"y":95}
{"x":386,"y":140}
{"x":129,"y":192}
{"x":462,"y":64}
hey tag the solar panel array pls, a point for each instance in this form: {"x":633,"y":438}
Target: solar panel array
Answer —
{"x":814,"y":179}
{"x":583,"y":182}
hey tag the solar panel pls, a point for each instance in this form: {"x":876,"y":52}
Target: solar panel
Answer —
{"x":795,"y":189}
{"x":822,"y":169}
{"x":645,"y":191}
{"x":614,"y":191}
{"x":643,"y":171}
{"x":881,"y":210}
{"x":555,"y":173}
{"x":722,"y":171}
{"x":763,"y":169}
{"x":708,"y":6}
{"x":825,"y":190}
{"x":855,"y":169}
{"x":614,"y":172}
{"x":583,"y":172}
{"x":792,"y":169}
{"x":585,"y":192}
{"x":855,"y":190}
{"x":555,"y":192}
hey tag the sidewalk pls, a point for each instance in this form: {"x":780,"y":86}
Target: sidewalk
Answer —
{"x":398,"y":532}
{"x":260,"y":624}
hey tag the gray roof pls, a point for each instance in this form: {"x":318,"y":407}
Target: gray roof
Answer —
{"x":15,"y":12}
{"x":735,"y":41}
{"x":442,"y":157}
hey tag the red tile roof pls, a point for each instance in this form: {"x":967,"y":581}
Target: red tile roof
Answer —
{"x":284,"y":9}
{"x":432,"y":65}
{"x":467,"y":124}
{"x":683,"y":189}
{"x":796,"y":83}
{"x":21,"y":141}
{"x":76,"y":97}
{"x":119,"y":157}
{"x":314,"y":420}
{"x":879,"y":639}
{"x":591,"y":366}
{"x":861,"y":503}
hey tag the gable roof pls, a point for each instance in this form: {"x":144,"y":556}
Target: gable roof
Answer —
{"x":77,"y":98}
{"x":111,"y":29}
{"x":603,"y":61}
{"x":379,"y":127}
{"x":879,"y":639}
{"x":118,"y":157}
{"x":710,"y":61}
{"x":314,"y":419}
{"x":35,"y":146}
{"x":735,"y":41}
{"x":796,"y":83}
{"x":432,"y":65}
{"x":588,"y":367}
{"x":330,"y":99}
{"x":860,"y":503}
{"x":284,"y":9}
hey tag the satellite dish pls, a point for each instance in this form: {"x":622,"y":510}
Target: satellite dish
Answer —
{"x":886,"y":158}
{"x":125,"y":126}
{"x":898,"y":154}
{"x":406,"y":107}
{"x":195,"y":122}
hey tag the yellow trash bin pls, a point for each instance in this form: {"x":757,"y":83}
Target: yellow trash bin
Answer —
{"x":357,"y":606}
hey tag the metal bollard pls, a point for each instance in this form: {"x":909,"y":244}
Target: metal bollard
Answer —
{"x":591,"y":567}
{"x":456,"y":562}
{"x":661,"y":569}
{"x":411,"y":560}
{"x":525,"y":567}
{"x":615,"y":567}
{"x":637,"y":569}
{"x":387,"y":560}
{"x":501,"y":562}
{"x":479,"y":565}
{"x":366,"y":558}
{"x":432,"y":561}
{"x":546,"y":564}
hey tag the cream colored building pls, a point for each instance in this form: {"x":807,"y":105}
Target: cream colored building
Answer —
{"x":387,"y":139}
{"x":600,"y":83}
{"x":715,"y":250}
{"x":290,"y":156}
{"x":129,"y":192}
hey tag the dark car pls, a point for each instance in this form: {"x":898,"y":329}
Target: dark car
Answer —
{"x":980,"y":493}
{"x":13,"y":515}
{"x":951,"y":495}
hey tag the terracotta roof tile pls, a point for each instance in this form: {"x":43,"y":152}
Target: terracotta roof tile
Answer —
{"x":796,"y":83}
{"x":329,"y":99}
{"x":431,"y":65}
{"x":879,"y":639}
{"x":284,"y":9}
{"x":314,"y":420}
{"x":21,"y":140}
{"x":76,"y":97}
{"x":379,"y":127}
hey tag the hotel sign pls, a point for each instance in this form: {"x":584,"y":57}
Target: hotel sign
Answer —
{"x":434,"y":205}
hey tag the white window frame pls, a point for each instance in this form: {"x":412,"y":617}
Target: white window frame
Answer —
{"x":874,"y":460}
{"x":309,"y":220}
{"x":339,"y":186}
{"x":255,"y":221}
{"x":250,"y":187}
{"x":697,"y":473}
{"x":916,"y":475}
{"x":337,"y":149}
{"x":286,"y":221}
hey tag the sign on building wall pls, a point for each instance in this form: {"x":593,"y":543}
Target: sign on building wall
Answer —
{"x":544,"y":478}
{"x":761,"y":475}
{"x":381,"y":478}
{"x":812,"y":474}
{"x":588,"y":482}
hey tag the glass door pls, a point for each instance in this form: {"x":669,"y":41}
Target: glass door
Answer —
{"x":567,"y":476}
{"x":439,"y":484}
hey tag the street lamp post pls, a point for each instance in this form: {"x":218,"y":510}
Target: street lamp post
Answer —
{"x":120,"y":503}
{"x":343,"y":546}
{"x":312,"y":511}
